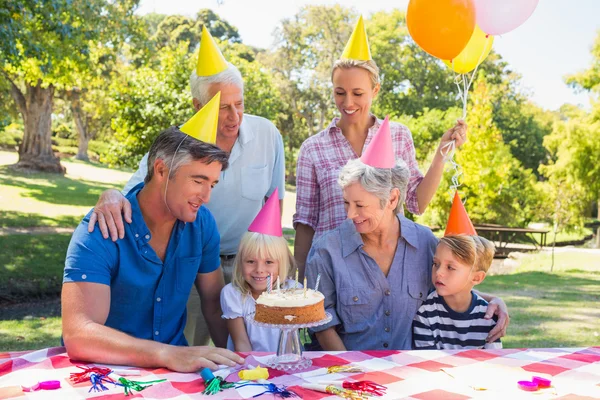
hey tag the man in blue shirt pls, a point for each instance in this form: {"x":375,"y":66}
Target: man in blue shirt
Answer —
{"x":124,"y":302}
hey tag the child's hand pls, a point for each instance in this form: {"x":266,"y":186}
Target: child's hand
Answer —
{"x":458,"y":133}
{"x":497,"y":307}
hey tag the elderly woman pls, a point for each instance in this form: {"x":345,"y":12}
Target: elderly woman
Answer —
{"x":376,"y":266}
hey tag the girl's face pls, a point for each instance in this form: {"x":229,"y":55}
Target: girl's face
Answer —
{"x":255,"y":270}
{"x":353,"y":93}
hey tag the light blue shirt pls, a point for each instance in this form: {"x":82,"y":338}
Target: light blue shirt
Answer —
{"x":371,"y":311}
{"x":147,"y":296}
{"x":256,"y":168}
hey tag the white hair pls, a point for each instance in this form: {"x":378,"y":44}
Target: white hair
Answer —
{"x":377,"y":181}
{"x":201,"y":84}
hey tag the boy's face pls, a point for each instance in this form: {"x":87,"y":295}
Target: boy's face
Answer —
{"x":450,"y":276}
{"x":255,"y":271}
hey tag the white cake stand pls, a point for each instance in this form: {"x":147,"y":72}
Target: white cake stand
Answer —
{"x":289,"y":350}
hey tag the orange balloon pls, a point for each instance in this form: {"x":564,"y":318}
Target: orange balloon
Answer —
{"x":441,"y":27}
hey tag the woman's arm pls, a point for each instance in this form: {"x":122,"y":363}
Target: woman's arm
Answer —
{"x":430,"y":183}
{"x":330,"y":340}
{"x":302,"y":243}
{"x":239,"y":335}
{"x":308,"y":198}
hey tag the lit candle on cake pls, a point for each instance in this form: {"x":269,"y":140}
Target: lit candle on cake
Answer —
{"x":269,"y":283}
{"x":317,"y":284}
{"x":304,"y":286}
{"x":278,"y":284}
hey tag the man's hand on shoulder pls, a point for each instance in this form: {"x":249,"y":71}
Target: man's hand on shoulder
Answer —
{"x":193,"y":359}
{"x":107,"y":213}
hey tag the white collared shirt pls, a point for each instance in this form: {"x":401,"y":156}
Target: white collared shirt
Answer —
{"x":256,"y":168}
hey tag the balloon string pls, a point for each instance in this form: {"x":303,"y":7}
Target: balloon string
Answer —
{"x":449,"y":148}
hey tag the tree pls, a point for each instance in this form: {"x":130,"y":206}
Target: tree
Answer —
{"x":147,"y":100}
{"x":412,"y":80}
{"x":218,"y":27}
{"x":43,"y":45}
{"x":306,"y":47}
{"x":586,"y":164}
{"x":174,"y":29}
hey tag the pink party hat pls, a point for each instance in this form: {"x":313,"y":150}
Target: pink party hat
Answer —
{"x":268,"y":220}
{"x":380,"y":152}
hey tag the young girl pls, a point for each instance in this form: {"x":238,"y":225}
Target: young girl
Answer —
{"x":258,"y":256}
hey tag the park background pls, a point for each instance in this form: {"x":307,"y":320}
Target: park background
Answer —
{"x":86,"y":86}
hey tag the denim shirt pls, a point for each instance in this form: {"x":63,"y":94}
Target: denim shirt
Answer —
{"x":371,"y":311}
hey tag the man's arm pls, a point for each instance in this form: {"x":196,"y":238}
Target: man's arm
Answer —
{"x":209,"y":286}
{"x":330,"y":340}
{"x":110,"y":205}
{"x":85,"y":308}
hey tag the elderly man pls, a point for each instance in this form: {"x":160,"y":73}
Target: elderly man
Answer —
{"x":256,"y":168}
{"x":124,"y":302}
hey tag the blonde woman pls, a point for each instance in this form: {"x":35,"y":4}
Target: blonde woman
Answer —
{"x":259,"y":255}
{"x":319,"y":201}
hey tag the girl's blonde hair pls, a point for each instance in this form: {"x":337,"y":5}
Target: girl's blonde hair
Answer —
{"x":369,"y":66}
{"x":471,"y":250}
{"x":264,"y":246}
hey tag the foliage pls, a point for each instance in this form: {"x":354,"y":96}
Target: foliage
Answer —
{"x":427,"y":128}
{"x":50,"y":40}
{"x":412,"y":80}
{"x":495,"y":187}
{"x":146,"y":101}
{"x":573,"y":170}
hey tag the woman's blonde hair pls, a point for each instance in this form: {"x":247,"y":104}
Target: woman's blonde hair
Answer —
{"x":471,"y":250}
{"x":369,"y":66}
{"x":264,"y":246}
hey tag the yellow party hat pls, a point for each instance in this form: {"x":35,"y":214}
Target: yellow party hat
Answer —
{"x":357,"y":47}
{"x":210,"y":59}
{"x":203,"y":125}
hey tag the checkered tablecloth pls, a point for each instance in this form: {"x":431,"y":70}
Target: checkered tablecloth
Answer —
{"x":423,"y":375}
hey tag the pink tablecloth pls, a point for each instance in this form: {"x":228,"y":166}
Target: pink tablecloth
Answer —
{"x":426,"y":374}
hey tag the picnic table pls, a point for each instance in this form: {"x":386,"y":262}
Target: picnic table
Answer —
{"x":423,"y":375}
{"x":504,"y":235}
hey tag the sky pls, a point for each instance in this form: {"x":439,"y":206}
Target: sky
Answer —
{"x":554,"y":42}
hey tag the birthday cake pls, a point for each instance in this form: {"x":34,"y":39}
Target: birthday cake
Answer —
{"x":290,"y":306}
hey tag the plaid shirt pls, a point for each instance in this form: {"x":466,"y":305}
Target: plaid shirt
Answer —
{"x":319,"y":199}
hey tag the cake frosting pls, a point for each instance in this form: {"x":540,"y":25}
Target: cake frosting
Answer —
{"x":290,"y":306}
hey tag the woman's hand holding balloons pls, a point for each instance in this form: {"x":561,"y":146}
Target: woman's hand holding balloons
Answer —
{"x":458,"y":133}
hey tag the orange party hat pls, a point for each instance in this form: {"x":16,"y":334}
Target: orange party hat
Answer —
{"x":459,"y":222}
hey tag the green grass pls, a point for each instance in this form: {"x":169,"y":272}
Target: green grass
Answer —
{"x":26,"y":220}
{"x":32,"y":266}
{"x":53,"y":199}
{"x":30,"y":326}
{"x":551,"y":309}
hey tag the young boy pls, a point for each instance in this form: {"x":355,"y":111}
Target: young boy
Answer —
{"x":452,"y":315}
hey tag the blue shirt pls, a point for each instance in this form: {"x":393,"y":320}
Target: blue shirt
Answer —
{"x":148,"y":297}
{"x":437,"y":326}
{"x":371,"y":311}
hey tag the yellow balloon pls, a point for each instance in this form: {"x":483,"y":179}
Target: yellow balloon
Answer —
{"x":473,"y":54}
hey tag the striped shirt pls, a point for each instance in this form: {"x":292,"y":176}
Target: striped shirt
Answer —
{"x":319,"y":199}
{"x":437,"y":326}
